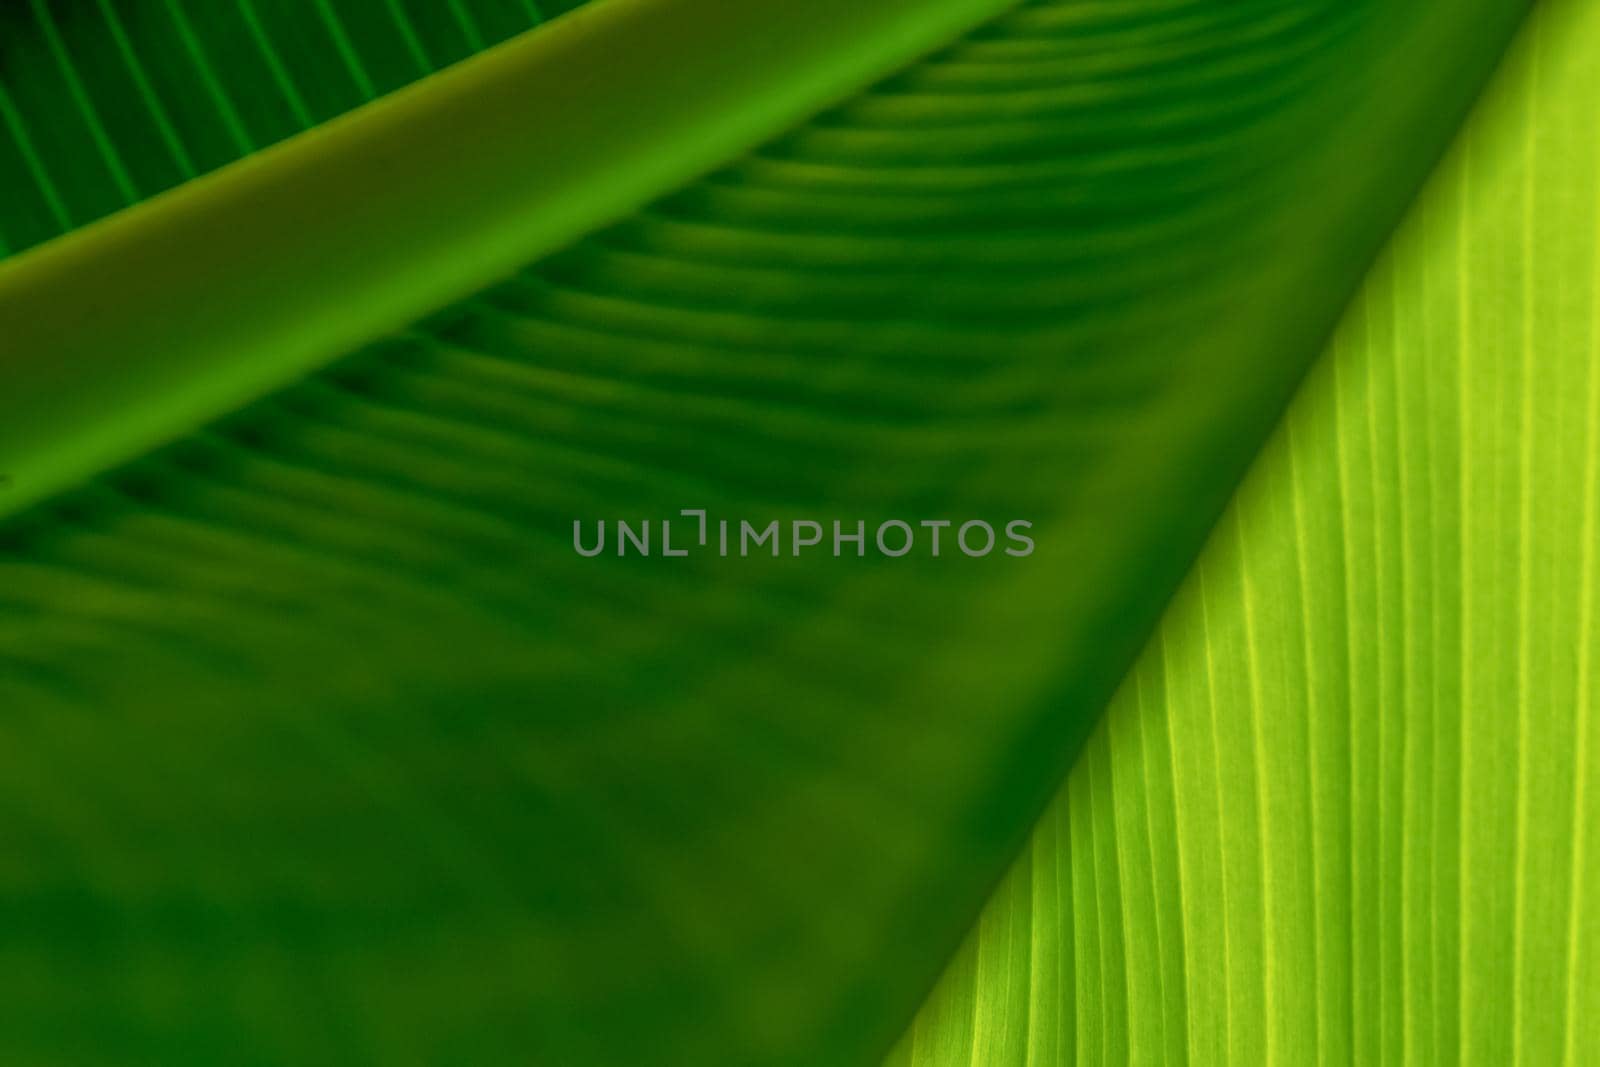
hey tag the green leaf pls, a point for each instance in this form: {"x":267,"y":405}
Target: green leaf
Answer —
{"x":322,"y":742}
{"x":104,"y":103}
{"x":1343,"y":810}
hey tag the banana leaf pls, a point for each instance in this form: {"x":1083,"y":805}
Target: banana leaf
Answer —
{"x":323,"y":743}
{"x":1343,"y":809}
{"x":104,"y":103}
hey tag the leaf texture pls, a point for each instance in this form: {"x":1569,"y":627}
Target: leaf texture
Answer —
{"x":322,"y":743}
{"x":1344,"y":810}
{"x":104,"y":103}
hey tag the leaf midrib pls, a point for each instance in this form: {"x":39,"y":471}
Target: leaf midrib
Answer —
{"x":235,"y":284}
{"x":63,"y":273}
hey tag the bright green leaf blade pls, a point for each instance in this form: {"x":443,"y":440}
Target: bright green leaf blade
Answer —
{"x":325,"y":738}
{"x":1344,"y":809}
{"x":104,"y":103}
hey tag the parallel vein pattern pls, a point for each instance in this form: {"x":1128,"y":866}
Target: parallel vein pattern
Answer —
{"x":317,"y":735}
{"x":107,"y":102}
{"x":1345,"y":808}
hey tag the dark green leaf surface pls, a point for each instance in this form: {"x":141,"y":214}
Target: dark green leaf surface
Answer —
{"x":204,"y":302}
{"x":322,"y":745}
{"x":107,"y":102}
